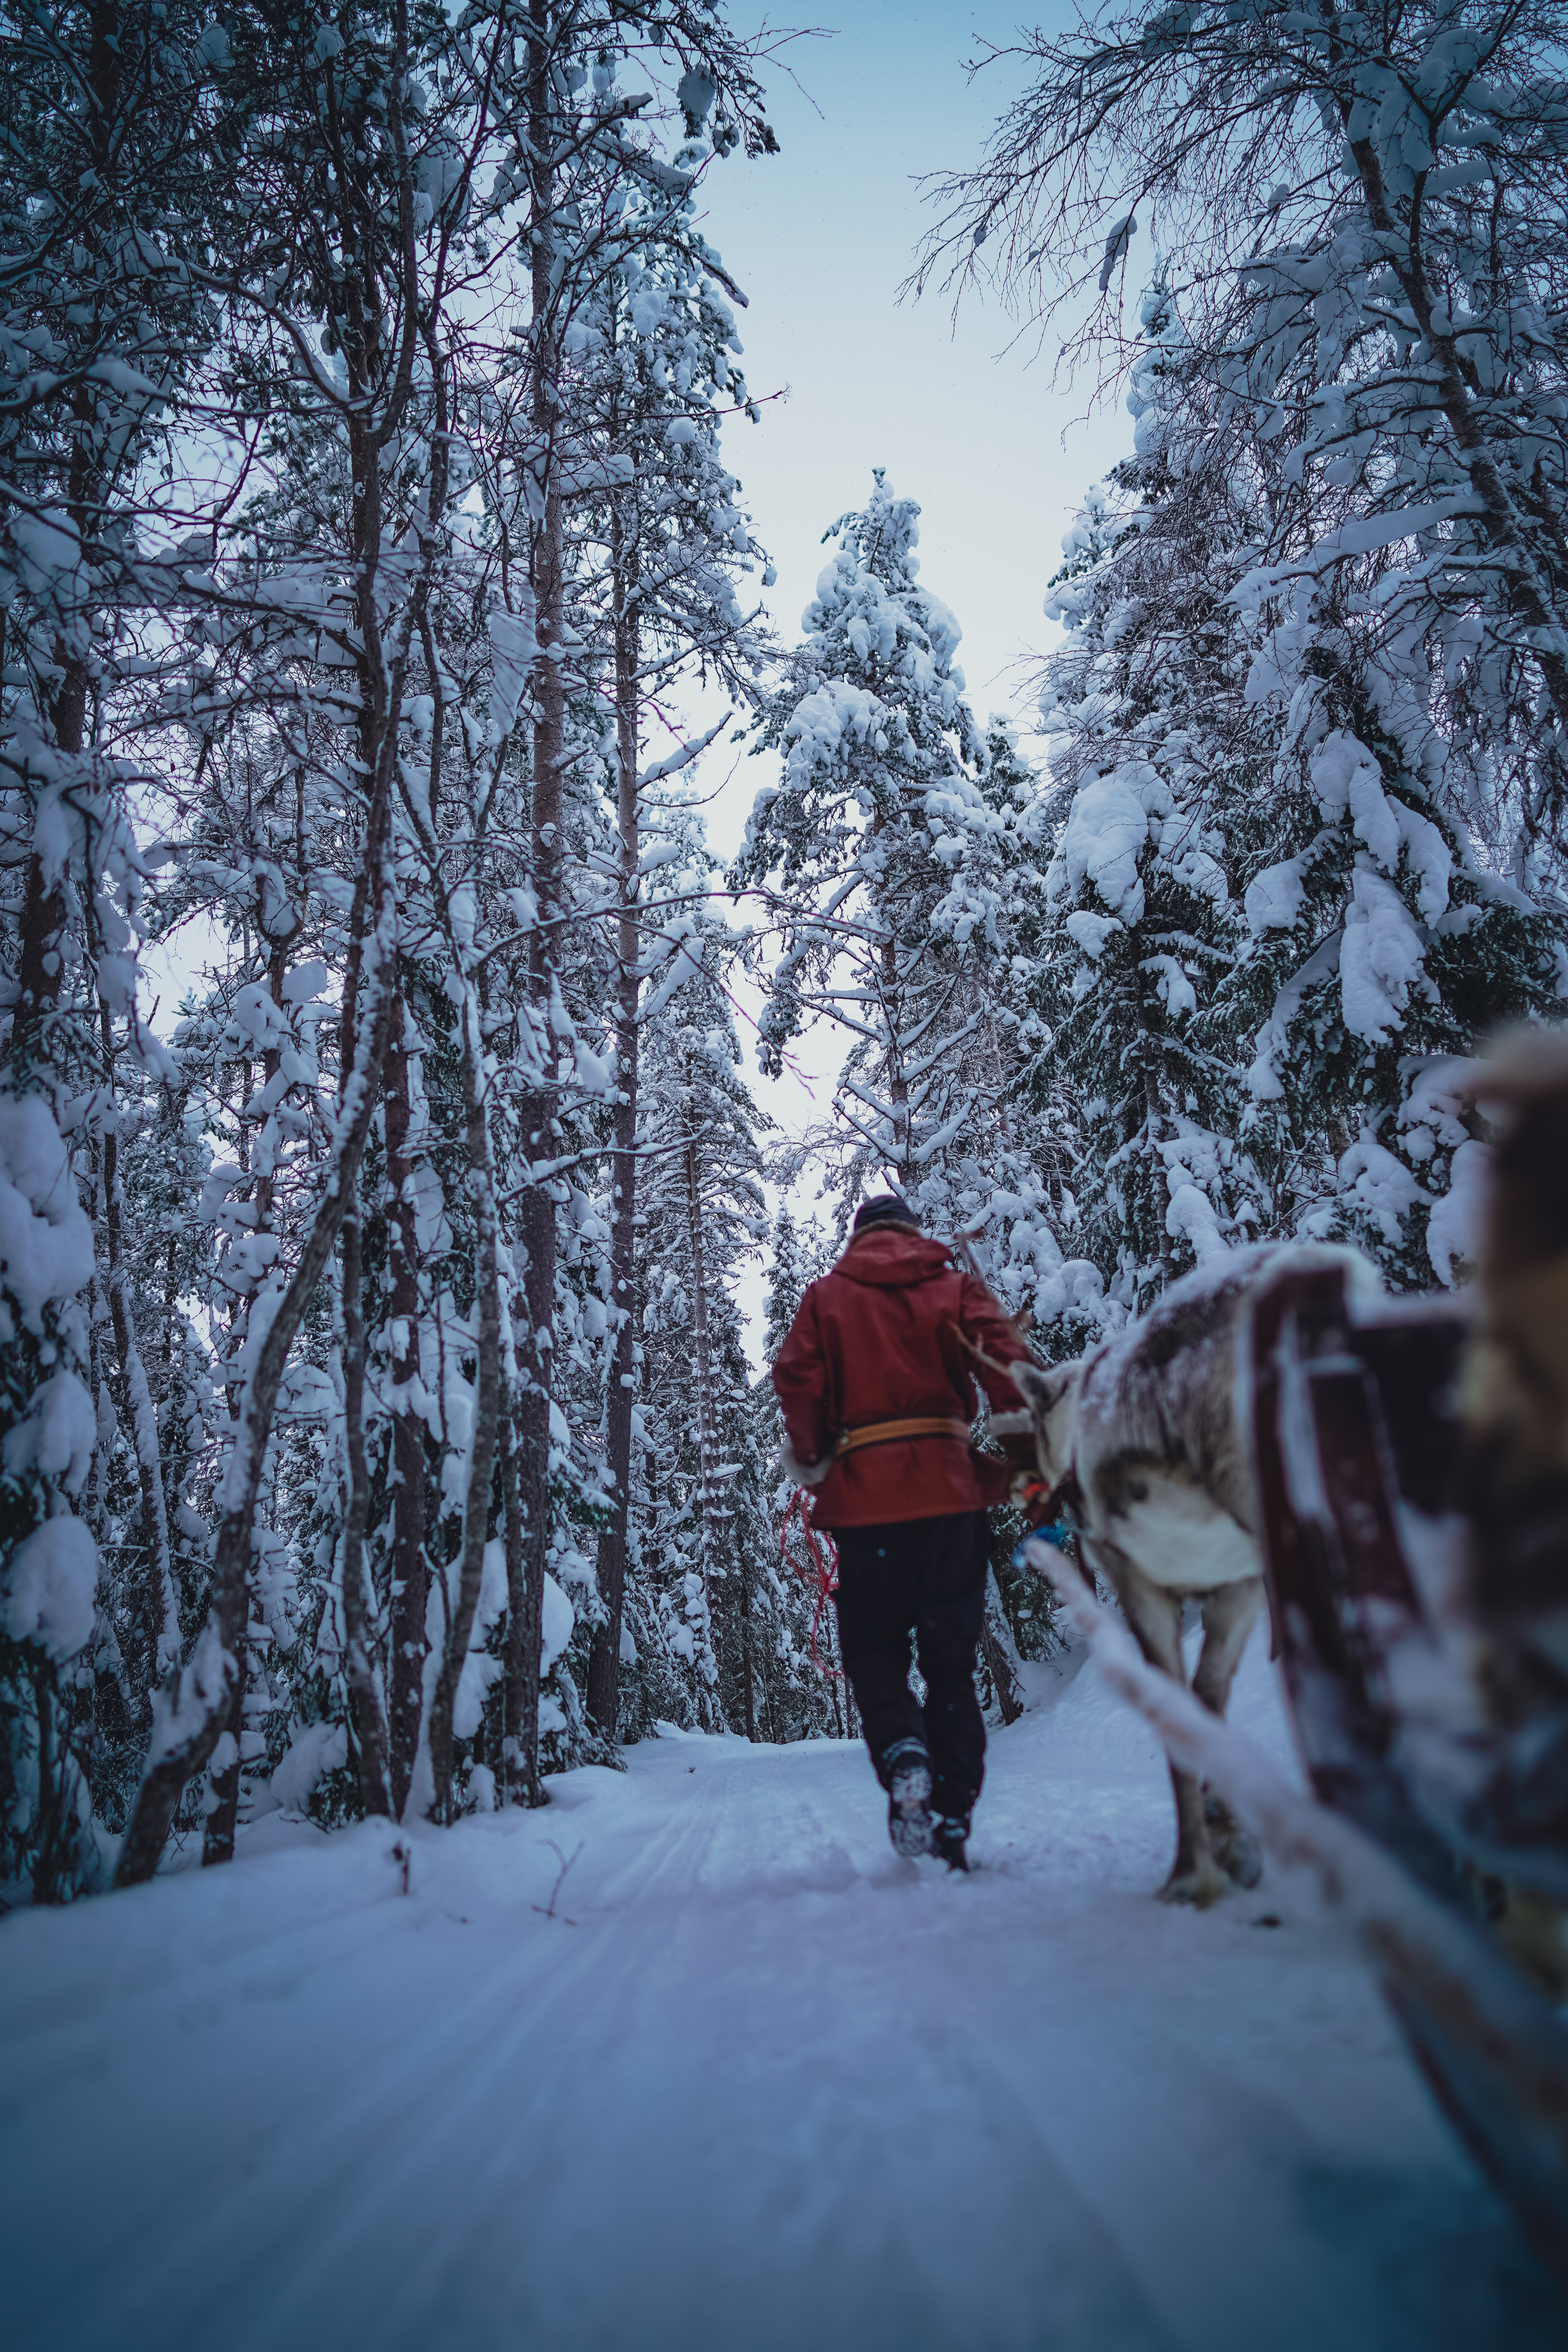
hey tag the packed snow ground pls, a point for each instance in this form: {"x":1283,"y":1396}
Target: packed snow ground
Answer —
{"x":758,"y":2086}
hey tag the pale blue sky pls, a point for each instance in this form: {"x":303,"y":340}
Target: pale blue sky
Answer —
{"x":820,"y":237}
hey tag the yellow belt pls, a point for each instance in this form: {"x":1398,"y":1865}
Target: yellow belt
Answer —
{"x":884,"y":1433}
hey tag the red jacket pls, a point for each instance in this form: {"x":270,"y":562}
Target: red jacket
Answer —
{"x":879,"y":1338}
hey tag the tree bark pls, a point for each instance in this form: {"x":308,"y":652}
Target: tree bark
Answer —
{"x":746,"y":1666}
{"x":707,"y":1425}
{"x":605,"y":1657}
{"x":410,"y":1569}
{"x":998,"y":1664}
{"x":537,"y":1217}
{"x":156,"y":1630}
{"x":714,"y":1514}
{"x":524,"y":1639}
{"x":38,"y":976}
{"x":221,"y":1823}
{"x":364,"y":1699}
{"x":486,"y":1421}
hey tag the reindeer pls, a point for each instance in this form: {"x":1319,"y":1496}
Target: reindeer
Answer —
{"x":1147,"y":1438}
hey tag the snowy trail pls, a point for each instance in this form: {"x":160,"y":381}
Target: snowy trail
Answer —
{"x":773,"y":2088}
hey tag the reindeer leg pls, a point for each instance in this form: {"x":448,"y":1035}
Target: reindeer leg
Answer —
{"x":1155,"y":1617}
{"x":1230,"y":1612}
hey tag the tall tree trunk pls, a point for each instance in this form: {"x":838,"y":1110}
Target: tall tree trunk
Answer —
{"x":157,"y":1628}
{"x":524,"y":1638}
{"x":221,"y":1823}
{"x":535,"y":1336}
{"x":996,"y":1643}
{"x":714,"y":1515}
{"x":1152,"y":1171}
{"x":44,"y":904}
{"x":41,"y":959}
{"x":707,"y":1420}
{"x":747,"y":1684}
{"x":410,"y":1569}
{"x":604,"y":1658}
{"x":30,"y":1055}
{"x":487,"y":1420}
{"x":359,"y":1673}
{"x":897,"y":1085}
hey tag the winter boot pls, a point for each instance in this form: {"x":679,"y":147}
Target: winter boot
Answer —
{"x":949,"y":1838}
{"x":906,"y":1770}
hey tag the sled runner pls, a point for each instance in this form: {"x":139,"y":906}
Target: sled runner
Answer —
{"x":1378,"y":1591}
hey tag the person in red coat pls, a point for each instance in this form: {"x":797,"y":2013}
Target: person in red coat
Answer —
{"x":876,"y":1386}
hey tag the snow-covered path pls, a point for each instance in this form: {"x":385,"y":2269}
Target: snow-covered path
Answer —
{"x":771,"y":2088}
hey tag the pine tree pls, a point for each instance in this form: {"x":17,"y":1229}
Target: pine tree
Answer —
{"x":1160,"y":757}
{"x":705,"y":1210}
{"x":1379,"y":951}
{"x":887,"y":858}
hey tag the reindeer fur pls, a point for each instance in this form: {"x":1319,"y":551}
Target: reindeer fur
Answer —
{"x":1152,"y":1427}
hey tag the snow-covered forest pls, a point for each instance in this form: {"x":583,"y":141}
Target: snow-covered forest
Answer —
{"x":376,"y":601}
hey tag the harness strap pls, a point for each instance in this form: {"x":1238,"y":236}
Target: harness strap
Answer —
{"x":823,"y":1573}
{"x":884,"y":1433}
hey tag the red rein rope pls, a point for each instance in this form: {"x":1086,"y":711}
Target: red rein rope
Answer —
{"x":822,"y":1573}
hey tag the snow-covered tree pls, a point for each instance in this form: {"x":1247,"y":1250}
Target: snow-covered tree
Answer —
{"x":337,"y":647}
{"x":1366,"y":211}
{"x":664,"y":550}
{"x":1157,"y":761}
{"x":1379,"y":951}
{"x":877,"y":859}
{"x":705,"y":1215}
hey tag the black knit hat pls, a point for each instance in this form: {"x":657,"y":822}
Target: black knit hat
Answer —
{"x":887,"y":1209}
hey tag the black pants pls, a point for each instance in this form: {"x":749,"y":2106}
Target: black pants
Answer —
{"x":927,"y":1576}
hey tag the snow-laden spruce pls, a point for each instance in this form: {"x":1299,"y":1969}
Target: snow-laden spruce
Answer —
{"x":888,"y":883}
{"x":1367,"y":214}
{"x":1283,"y":941}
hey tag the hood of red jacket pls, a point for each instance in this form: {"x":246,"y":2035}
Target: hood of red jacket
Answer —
{"x":893,"y":1256}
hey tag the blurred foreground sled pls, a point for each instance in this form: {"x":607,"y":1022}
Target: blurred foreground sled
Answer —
{"x":1412,"y":1474}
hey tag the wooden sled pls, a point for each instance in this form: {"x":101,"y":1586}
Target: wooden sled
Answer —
{"x":1377,"y":1583}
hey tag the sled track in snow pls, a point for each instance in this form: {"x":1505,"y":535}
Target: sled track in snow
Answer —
{"x":773,"y":2089}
